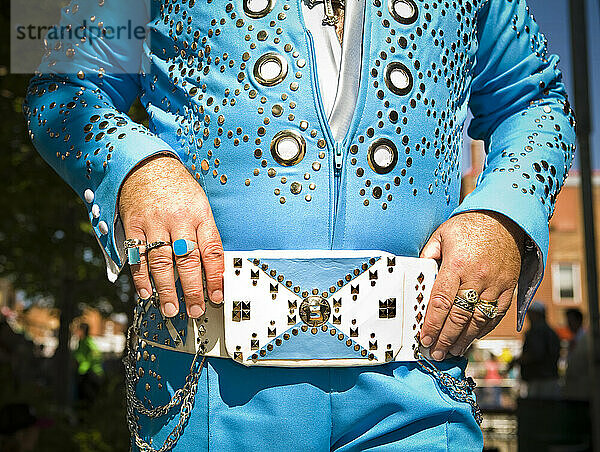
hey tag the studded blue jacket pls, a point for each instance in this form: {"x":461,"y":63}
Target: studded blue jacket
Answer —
{"x":232,"y":92}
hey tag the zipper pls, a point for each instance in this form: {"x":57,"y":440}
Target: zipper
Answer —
{"x":338,"y":148}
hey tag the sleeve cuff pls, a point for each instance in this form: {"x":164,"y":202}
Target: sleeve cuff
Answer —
{"x":102,"y":203}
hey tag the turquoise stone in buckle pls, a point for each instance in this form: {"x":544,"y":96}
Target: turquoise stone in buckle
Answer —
{"x":183,"y":247}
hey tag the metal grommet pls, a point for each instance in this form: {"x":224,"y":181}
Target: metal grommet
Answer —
{"x":258,"y":8}
{"x":403,"y":11}
{"x":314,"y":310}
{"x":270,"y":69}
{"x":398,"y":78}
{"x":382,"y":156}
{"x":288,"y":147}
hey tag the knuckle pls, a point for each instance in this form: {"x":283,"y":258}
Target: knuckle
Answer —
{"x":479,"y":320}
{"x":444,"y":342}
{"x":212,"y":249}
{"x":189,"y":262}
{"x":166,"y":294}
{"x":459,"y":316}
{"x":194,"y":294}
{"x":161,"y":261}
{"x":441,"y":302}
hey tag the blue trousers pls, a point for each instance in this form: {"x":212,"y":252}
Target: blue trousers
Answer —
{"x":394,"y":406}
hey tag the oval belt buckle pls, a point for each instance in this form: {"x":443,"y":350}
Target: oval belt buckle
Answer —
{"x":314,"y":310}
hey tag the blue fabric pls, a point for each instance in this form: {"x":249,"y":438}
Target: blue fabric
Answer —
{"x":195,"y":77}
{"x":394,"y":406}
{"x":316,"y":273}
{"x":312,"y":346}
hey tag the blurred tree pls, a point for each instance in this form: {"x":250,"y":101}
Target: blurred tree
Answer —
{"x":47,"y":248}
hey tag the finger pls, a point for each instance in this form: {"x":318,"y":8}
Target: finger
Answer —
{"x":189,"y":268}
{"x":476,"y":325}
{"x":433,"y":247}
{"x":440,"y":302}
{"x":457,"y":320}
{"x":139,"y":272}
{"x":211,"y":249}
{"x":161,"y":268}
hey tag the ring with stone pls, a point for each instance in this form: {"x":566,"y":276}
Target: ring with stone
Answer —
{"x":489,"y":308}
{"x":132,"y":247}
{"x":183,"y":247}
{"x":156,"y":244}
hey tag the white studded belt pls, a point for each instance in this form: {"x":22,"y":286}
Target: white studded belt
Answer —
{"x":304,"y":308}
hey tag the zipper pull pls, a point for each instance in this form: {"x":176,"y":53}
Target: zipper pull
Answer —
{"x":338,"y":157}
{"x":330,"y":18}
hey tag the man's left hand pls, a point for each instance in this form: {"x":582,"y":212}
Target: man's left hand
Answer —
{"x":478,"y":250}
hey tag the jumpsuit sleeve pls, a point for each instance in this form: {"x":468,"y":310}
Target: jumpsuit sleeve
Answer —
{"x":76,"y":108}
{"x":521,"y":112}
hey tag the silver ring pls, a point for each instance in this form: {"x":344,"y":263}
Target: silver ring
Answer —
{"x":156,"y":244}
{"x":133,"y":243}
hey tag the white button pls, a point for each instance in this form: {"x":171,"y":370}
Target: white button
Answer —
{"x":257,"y":6}
{"x":399,"y":79}
{"x":89,"y":196}
{"x":96,"y":211}
{"x":383,"y":156}
{"x":404,"y":9}
{"x":103,"y":227}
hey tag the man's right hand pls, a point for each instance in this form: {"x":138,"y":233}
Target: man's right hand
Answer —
{"x":160,"y":200}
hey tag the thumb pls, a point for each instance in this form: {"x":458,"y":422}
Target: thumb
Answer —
{"x":433,"y":247}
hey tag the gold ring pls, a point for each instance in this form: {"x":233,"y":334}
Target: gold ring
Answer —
{"x":489,"y":308}
{"x":462,"y":303}
{"x":492,"y":302}
{"x":469,"y":295}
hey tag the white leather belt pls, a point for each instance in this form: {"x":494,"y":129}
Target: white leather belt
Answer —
{"x":304,"y":308}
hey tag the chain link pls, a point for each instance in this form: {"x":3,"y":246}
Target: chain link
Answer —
{"x":460,"y":390}
{"x":184,"y":396}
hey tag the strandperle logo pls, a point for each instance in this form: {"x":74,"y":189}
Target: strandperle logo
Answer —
{"x":55,"y":35}
{"x":82,"y":32}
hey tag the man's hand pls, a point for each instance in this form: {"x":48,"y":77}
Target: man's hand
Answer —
{"x":478,"y":250}
{"x":160,"y":200}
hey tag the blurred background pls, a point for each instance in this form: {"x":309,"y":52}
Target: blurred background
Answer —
{"x":62,"y":324}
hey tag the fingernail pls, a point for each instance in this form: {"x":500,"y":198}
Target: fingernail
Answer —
{"x":195,"y":311}
{"x":216,"y":296}
{"x":170,"y":310}
{"x":426,"y":341}
{"x":144,"y":294}
{"x":438,"y":355}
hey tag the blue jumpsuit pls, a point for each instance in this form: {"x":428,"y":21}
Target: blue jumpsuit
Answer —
{"x":277,"y":177}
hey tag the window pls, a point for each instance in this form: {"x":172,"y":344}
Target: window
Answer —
{"x":566,"y":283}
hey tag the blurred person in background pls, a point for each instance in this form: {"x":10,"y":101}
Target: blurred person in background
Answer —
{"x":539,"y":358}
{"x":89,"y":365}
{"x":577,"y":378}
